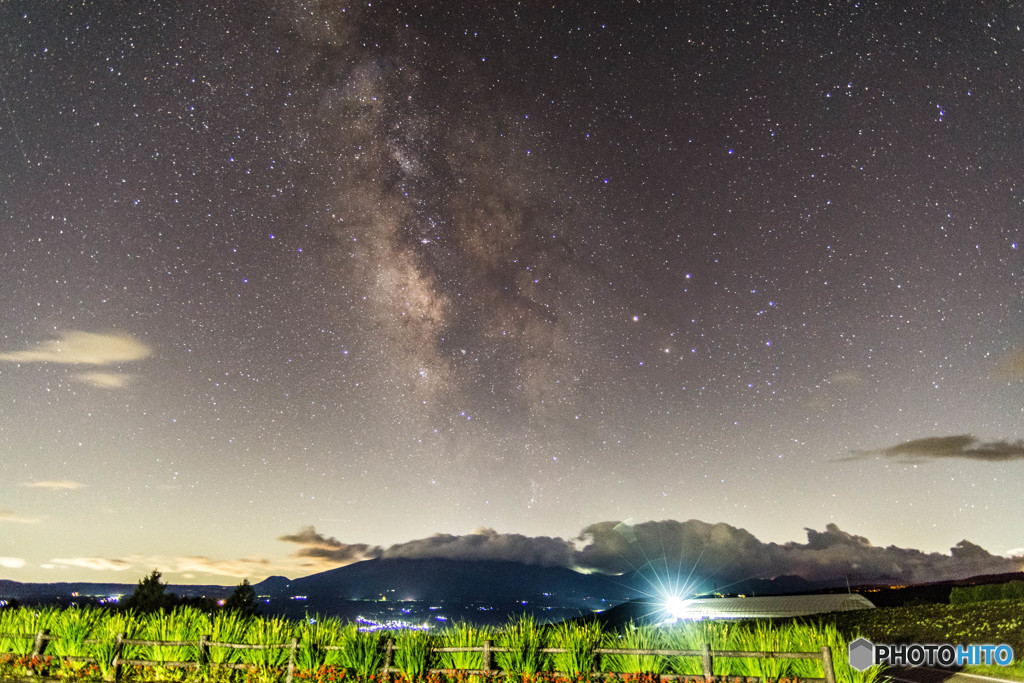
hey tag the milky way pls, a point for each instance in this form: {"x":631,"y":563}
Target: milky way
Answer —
{"x":393,"y":269}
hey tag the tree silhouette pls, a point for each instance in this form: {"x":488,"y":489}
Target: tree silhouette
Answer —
{"x":242,"y":599}
{"x":150,"y":595}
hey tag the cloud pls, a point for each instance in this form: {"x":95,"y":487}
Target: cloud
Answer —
{"x":10,"y":516}
{"x":725,"y":554}
{"x":104,"y":380}
{"x":836,"y":389}
{"x":482,"y":544}
{"x":12,"y":562}
{"x":57,"y":484}
{"x":720,"y":554}
{"x":957,"y":446}
{"x":330,"y":550}
{"x":969,"y":551}
{"x":95,"y":563}
{"x":858,"y":558}
{"x":185,"y":565}
{"x":247,"y":566}
{"x":487,"y":544}
{"x":850,"y":378}
{"x":722,"y":550}
{"x":82,"y":348}
{"x":713,"y":554}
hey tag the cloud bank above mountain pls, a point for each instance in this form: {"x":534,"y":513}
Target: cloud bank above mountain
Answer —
{"x":715,"y":551}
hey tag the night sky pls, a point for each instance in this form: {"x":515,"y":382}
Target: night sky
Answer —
{"x":351,"y":275}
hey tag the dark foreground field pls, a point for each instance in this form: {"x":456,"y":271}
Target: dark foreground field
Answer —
{"x":993,"y":621}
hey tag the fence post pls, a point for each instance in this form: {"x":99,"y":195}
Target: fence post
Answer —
{"x":204,"y":650}
{"x":40,"y":644}
{"x":826,"y":664}
{"x":388,"y":650}
{"x":38,"y":647}
{"x":291,"y":660}
{"x":707,"y":663}
{"x":487,"y":657}
{"x":597,"y":662}
{"x":118,"y":649}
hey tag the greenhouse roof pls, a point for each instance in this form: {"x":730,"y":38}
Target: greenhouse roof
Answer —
{"x":772,"y":606}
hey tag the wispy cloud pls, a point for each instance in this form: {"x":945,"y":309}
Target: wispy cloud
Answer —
{"x":10,"y":516}
{"x":95,"y":563}
{"x":850,"y":378}
{"x":12,"y":562}
{"x":186,"y":566}
{"x":324,"y":549}
{"x":56,"y":484}
{"x":836,"y":388}
{"x":104,"y":380}
{"x":956,"y":446}
{"x":82,"y":348}
{"x":247,"y":566}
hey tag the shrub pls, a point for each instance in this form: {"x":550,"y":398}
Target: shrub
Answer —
{"x":643,"y":637}
{"x":521,"y":642}
{"x":580,"y":640}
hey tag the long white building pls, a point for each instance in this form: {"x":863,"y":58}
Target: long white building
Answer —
{"x":769,"y":606}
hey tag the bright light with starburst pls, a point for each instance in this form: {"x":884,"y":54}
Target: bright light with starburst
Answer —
{"x":671,"y":585}
{"x":674,"y":606}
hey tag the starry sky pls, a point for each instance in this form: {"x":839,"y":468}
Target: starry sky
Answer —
{"x":348,"y":275}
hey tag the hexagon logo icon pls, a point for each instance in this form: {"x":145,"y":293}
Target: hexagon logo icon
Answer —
{"x":862,"y":654}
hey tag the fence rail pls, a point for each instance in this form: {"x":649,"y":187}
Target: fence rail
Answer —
{"x":203,"y":645}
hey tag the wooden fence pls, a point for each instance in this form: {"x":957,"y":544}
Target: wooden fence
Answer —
{"x":203,"y":645}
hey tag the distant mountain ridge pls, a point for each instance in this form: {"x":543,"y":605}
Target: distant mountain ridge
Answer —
{"x":466,"y":582}
{"x":47,"y":591}
{"x":420,"y":579}
{"x":442,"y":579}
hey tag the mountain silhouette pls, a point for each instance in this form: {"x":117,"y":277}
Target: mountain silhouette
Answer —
{"x":447,"y":580}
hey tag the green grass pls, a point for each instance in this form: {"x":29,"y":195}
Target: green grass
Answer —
{"x":811,"y":637}
{"x":331,"y":650}
{"x":180,"y":624}
{"x":1011,"y":590}
{"x":24,"y":621}
{"x":692,"y":635}
{"x":106,"y":632}
{"x":412,"y":658}
{"x":316,"y":635}
{"x":580,"y":640}
{"x":761,"y":636}
{"x":522,"y":638}
{"x":228,"y":627}
{"x":634,"y":637}
{"x":72,"y":629}
{"x":267,"y":663}
{"x":463,"y":634}
{"x":363,"y":652}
